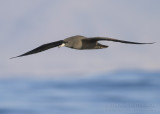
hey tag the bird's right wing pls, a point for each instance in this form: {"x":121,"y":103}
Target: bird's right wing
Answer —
{"x":42,"y":48}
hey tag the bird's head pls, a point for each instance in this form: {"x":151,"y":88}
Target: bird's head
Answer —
{"x":68,"y":42}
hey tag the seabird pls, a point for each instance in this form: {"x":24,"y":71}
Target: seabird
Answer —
{"x":77,"y":42}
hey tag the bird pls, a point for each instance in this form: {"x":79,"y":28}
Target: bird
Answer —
{"x":77,"y":42}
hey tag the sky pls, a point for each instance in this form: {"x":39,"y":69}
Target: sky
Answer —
{"x":27,"y":24}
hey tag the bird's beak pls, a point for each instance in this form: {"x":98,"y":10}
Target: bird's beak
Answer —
{"x":63,"y":44}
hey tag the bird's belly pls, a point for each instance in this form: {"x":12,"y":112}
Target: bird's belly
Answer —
{"x":87,"y":45}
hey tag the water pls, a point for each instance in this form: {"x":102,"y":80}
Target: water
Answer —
{"x":118,"y":93}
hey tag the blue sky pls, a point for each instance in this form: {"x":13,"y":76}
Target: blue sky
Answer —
{"x":25,"y":24}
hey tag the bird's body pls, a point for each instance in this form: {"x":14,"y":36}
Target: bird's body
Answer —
{"x":82,"y":43}
{"x":78,"y":42}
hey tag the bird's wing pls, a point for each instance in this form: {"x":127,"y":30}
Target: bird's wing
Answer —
{"x":114,"y":40}
{"x":42,"y":48}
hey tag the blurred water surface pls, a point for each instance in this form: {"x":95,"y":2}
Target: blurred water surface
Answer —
{"x":117,"y":93}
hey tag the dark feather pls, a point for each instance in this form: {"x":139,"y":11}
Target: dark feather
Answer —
{"x":41,"y":48}
{"x":114,"y":40}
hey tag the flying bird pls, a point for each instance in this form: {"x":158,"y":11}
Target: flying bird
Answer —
{"x":77,"y":42}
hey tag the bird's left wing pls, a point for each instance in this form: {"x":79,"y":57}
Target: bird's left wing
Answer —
{"x":114,"y":40}
{"x":42,"y":48}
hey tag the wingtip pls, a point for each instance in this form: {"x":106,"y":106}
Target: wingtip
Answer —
{"x":14,"y":57}
{"x":150,"y":43}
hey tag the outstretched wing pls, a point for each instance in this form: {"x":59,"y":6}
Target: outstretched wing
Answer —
{"x":42,"y":48}
{"x":114,"y":40}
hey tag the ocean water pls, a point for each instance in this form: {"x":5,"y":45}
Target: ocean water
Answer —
{"x":116,"y":93}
